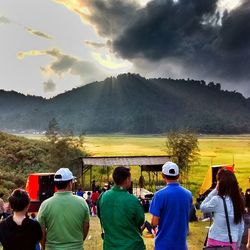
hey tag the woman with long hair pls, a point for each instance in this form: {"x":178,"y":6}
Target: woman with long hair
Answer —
{"x":18,"y":231}
{"x":227,"y":188}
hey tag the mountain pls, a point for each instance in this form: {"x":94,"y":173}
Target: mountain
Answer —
{"x":131,"y":104}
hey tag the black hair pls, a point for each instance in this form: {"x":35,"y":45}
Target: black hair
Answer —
{"x":171,"y":177}
{"x":62,"y":184}
{"x":18,"y":200}
{"x":1,"y":195}
{"x":120,"y":174}
{"x":228,"y":185}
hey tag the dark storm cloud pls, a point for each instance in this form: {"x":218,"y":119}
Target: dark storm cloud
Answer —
{"x":110,"y":17}
{"x":195,"y":34}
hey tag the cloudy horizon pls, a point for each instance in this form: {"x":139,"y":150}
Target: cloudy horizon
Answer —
{"x":52,"y":46}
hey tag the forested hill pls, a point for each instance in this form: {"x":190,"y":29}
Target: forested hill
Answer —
{"x":131,"y":104}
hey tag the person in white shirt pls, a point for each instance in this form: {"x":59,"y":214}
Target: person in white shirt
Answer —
{"x":227,"y":187}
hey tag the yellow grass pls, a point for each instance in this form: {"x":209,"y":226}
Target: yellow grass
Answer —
{"x":213,"y":150}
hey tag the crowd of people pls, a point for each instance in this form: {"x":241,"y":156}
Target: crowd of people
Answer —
{"x":63,"y":221}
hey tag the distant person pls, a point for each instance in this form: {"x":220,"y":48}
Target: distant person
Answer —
{"x":1,"y":206}
{"x":93,"y":186}
{"x":192,"y":214}
{"x":94,"y":197}
{"x":227,"y":188}
{"x":18,"y":232}
{"x":244,"y":239}
{"x":89,"y":202}
{"x":170,"y":209}
{"x":64,"y":217}
{"x":247,"y":196}
{"x":121,"y":214}
{"x":7,"y":210}
{"x":80,"y":192}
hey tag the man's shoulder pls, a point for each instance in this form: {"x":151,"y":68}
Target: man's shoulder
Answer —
{"x":178,"y":188}
{"x":48,"y":201}
{"x":188,"y":192}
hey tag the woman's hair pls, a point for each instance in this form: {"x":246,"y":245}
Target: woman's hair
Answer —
{"x":228,"y":186}
{"x":19,"y":199}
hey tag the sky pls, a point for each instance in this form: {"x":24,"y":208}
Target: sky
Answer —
{"x":48,"y":47}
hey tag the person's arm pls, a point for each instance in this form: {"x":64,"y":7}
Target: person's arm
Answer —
{"x":85,"y":220}
{"x":41,"y":219}
{"x":210,"y":203}
{"x":85,"y":230}
{"x":155,"y":221}
{"x":139,"y":214}
{"x":248,"y":242}
{"x":155,"y":210}
{"x":43,"y":240}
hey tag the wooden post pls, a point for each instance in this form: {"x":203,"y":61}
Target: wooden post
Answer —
{"x":107,"y":173}
{"x":90,"y":176}
{"x":82,"y":178}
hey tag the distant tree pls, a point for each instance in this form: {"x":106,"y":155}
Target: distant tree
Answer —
{"x":183,"y":146}
{"x":53,"y":129}
{"x":64,"y":148}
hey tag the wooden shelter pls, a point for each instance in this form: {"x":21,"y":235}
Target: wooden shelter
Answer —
{"x":150,"y":164}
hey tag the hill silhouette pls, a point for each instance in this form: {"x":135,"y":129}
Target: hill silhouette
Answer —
{"x":131,"y":104}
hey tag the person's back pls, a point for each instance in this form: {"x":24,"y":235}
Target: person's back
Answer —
{"x":18,"y":232}
{"x":63,"y":217}
{"x":122,"y":216}
{"x":173,"y":210}
{"x":21,"y":237}
{"x":170,"y":207}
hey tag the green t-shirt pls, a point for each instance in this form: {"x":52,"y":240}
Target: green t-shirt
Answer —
{"x":63,"y":216}
{"x":122,"y":216}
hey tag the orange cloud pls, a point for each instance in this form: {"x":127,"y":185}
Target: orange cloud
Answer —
{"x":83,"y":8}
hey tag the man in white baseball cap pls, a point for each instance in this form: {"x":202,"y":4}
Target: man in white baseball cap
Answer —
{"x":170,"y":211}
{"x":63,"y":174}
{"x":64,"y":217}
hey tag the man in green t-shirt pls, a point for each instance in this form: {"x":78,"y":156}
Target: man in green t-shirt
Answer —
{"x":64,"y":218}
{"x":121,"y":215}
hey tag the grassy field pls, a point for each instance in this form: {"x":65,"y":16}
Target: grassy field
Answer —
{"x":213,"y":150}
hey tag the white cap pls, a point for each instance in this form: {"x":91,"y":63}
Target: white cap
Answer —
{"x":170,"y":168}
{"x":63,"y":174}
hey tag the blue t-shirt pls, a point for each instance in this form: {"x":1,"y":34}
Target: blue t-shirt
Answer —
{"x":172,"y":205}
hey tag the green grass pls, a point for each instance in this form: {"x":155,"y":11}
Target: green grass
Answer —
{"x":195,"y":239}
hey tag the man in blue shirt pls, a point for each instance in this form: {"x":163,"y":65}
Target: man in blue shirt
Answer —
{"x":170,"y":211}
